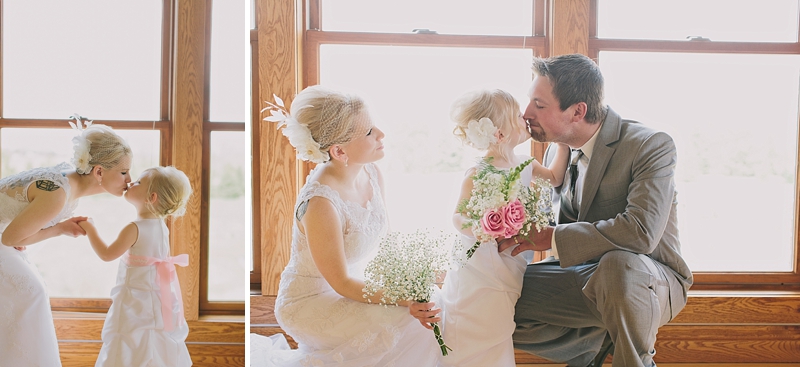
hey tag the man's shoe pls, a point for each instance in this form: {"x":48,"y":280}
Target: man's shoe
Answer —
{"x":605,"y":349}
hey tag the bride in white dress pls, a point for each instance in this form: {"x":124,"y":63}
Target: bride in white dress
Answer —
{"x":36,"y":205}
{"x":338,"y":218}
{"x":479,"y":298}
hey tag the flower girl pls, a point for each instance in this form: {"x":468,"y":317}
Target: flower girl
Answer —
{"x":479,"y":297}
{"x":145,"y":324}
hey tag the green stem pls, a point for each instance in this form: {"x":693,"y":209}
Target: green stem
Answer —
{"x":472,"y":249}
{"x":439,"y":339}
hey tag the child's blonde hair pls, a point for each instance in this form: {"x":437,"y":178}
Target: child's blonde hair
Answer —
{"x":172,"y":188}
{"x":498,"y":105}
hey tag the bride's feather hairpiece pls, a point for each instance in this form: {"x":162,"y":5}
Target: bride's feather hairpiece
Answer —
{"x":299,"y":135}
{"x":81,"y":145}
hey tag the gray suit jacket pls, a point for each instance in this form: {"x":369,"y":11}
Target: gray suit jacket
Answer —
{"x":629,"y":200}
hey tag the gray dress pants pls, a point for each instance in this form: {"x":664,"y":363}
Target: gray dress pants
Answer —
{"x":564,"y":314}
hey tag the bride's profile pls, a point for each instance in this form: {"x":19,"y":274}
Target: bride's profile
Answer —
{"x":338,"y":219}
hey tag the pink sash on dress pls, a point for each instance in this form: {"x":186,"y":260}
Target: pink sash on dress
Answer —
{"x":165,"y":274}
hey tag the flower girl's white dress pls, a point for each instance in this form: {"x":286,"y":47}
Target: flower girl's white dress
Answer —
{"x":479,"y":301}
{"x":332,"y":330}
{"x":27,"y":334}
{"x":135,"y":333}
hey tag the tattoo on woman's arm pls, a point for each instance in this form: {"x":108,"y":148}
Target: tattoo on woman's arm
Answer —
{"x":46,"y":185}
{"x":301,"y":210}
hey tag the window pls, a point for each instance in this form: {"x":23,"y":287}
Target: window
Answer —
{"x":409,"y":80}
{"x":223,"y":288}
{"x":60,"y":65}
{"x":728,"y":97}
{"x":116,"y":63}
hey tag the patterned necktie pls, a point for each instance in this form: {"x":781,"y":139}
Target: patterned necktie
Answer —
{"x":573,"y":176}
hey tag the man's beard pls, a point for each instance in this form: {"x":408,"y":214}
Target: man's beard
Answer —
{"x":538,"y":136}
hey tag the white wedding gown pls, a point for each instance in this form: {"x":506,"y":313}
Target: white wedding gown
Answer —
{"x":27,"y":334}
{"x":479,"y":301}
{"x":332,"y":330}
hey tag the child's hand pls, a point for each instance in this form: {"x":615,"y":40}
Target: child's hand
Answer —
{"x":70,"y":227}
{"x":87,"y":225}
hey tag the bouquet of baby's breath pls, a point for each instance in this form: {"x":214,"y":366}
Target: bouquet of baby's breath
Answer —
{"x":500,"y":205}
{"x":407,"y":268}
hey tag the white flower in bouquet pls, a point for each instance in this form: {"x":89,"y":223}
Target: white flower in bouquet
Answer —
{"x":406,"y":268}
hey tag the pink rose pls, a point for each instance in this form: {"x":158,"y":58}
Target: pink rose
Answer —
{"x":514,"y":214}
{"x":493,"y":223}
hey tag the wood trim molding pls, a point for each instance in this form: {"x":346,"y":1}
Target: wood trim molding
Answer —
{"x":569,"y":27}
{"x":187,"y":116}
{"x":278,"y":74}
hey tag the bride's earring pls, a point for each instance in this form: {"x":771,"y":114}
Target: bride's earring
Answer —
{"x":345,"y":161}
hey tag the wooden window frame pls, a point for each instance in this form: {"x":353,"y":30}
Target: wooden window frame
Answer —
{"x":273,"y":248}
{"x":765,"y":281}
{"x":255,"y":177}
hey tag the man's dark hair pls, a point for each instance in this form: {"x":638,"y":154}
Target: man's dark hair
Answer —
{"x":575,"y":78}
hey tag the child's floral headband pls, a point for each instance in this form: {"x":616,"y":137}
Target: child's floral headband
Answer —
{"x":481,"y":133}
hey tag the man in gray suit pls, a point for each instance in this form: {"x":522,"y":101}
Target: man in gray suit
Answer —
{"x":617,"y":273}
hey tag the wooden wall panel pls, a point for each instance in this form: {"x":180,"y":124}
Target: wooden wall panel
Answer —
{"x":277,"y":55}
{"x":217,"y":341}
{"x":220,"y":329}
{"x":75,"y":354}
{"x":187,"y":115}
{"x":569,"y":27}
{"x":711,"y":329}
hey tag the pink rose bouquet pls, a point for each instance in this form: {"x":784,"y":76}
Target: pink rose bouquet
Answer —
{"x":501,"y":206}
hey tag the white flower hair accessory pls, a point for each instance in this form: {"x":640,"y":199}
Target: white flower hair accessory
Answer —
{"x":481,"y":133}
{"x":299,"y":135}
{"x":80,"y":145}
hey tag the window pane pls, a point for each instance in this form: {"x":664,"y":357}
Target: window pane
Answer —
{"x":226,"y":219}
{"x":98,"y":58}
{"x":228,"y":41}
{"x":424,"y":163}
{"x":736,"y":134}
{"x":503,"y":17}
{"x":718,"y":20}
{"x":59,"y":258}
{"x":252,"y":16}
{"x":248,"y":158}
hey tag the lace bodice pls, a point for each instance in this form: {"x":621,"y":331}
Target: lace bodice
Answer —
{"x":14,"y":193}
{"x":361,"y":226}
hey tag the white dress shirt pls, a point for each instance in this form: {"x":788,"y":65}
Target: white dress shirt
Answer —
{"x":587,"y":149}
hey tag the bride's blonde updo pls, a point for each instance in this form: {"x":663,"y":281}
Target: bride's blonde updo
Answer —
{"x":329,"y":115}
{"x":98,"y":145}
{"x":497,"y":105}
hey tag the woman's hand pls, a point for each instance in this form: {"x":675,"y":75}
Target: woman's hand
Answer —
{"x":70,"y":227}
{"x":425,"y":313}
